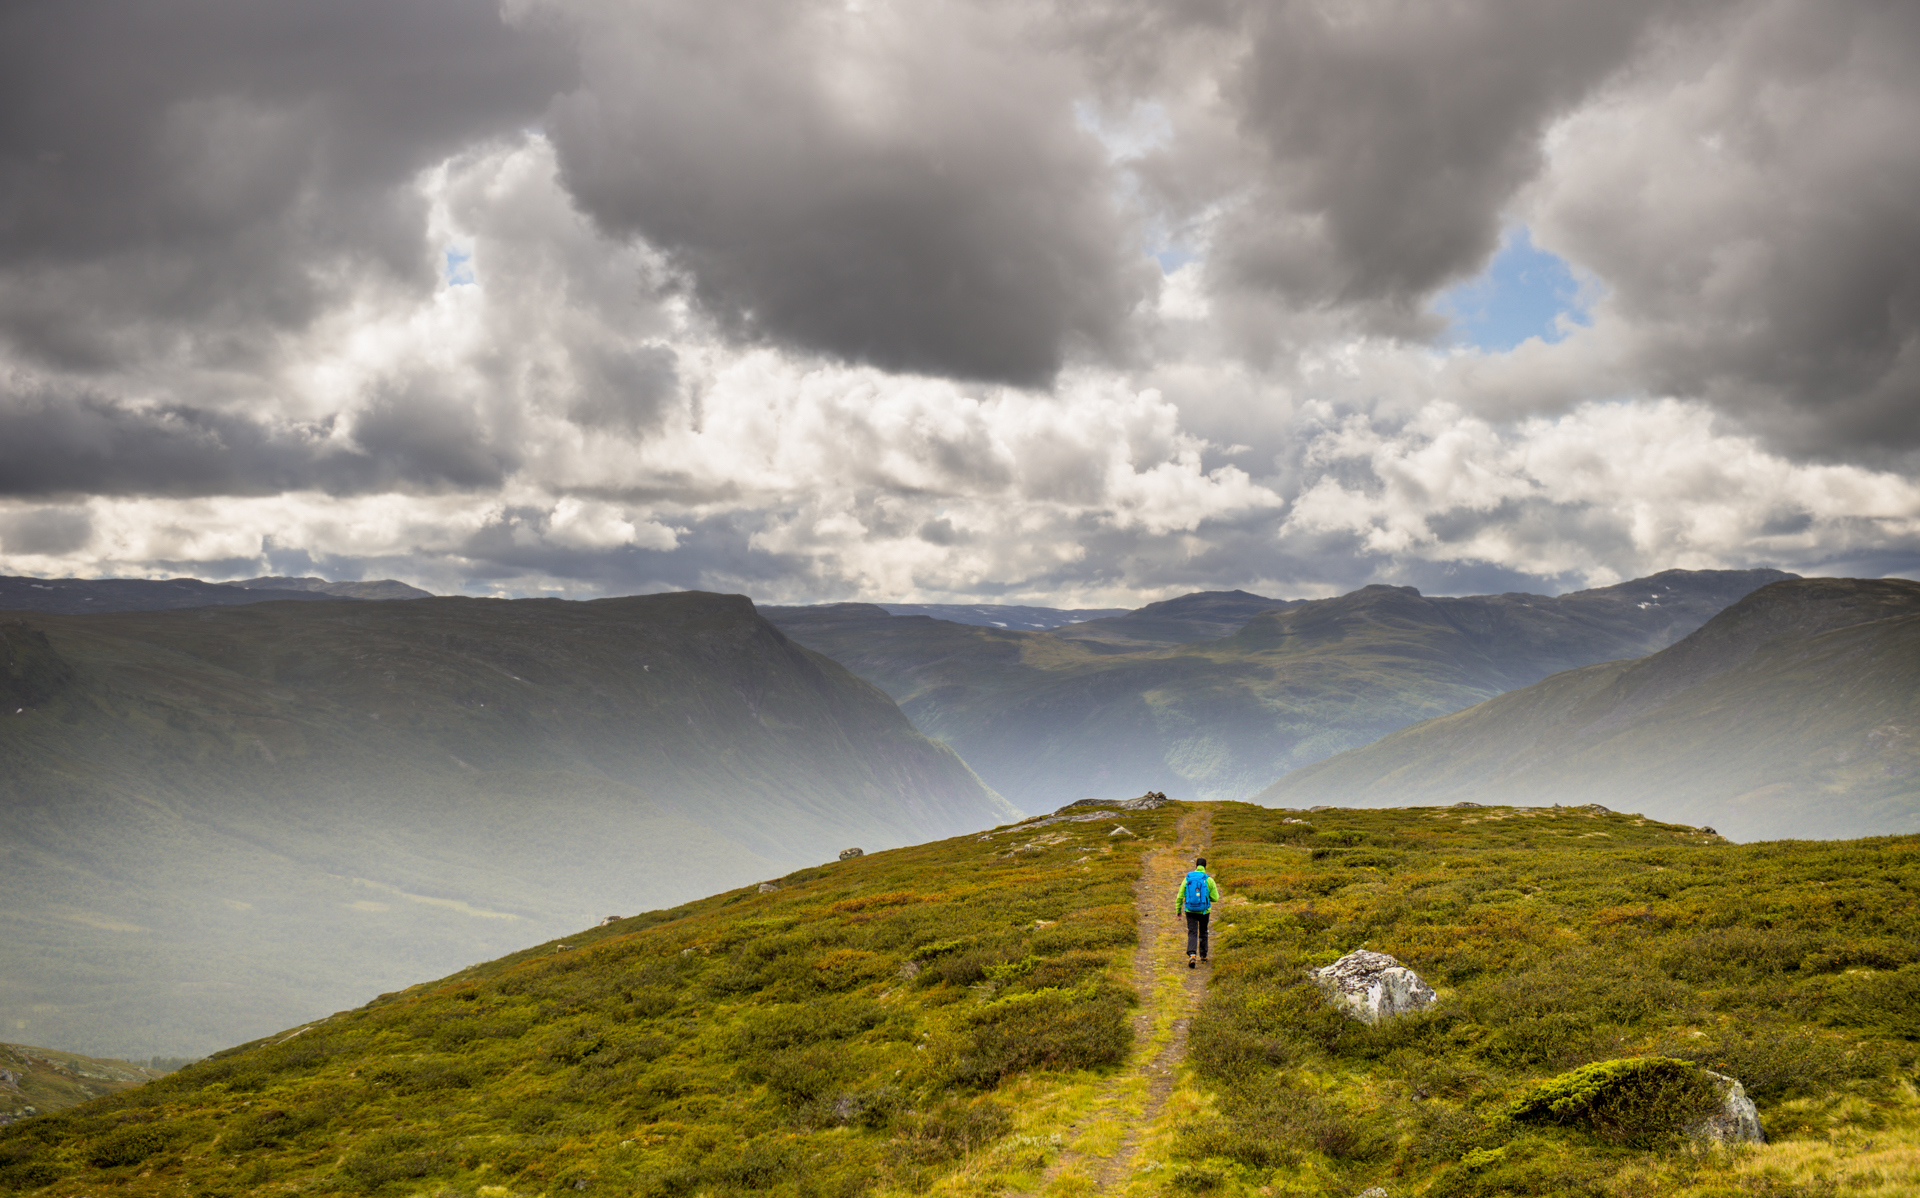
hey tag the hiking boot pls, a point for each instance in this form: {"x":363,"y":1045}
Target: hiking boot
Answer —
{"x":1190,"y":960}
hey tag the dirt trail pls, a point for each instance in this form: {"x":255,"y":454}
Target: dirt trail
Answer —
{"x":1159,"y":1025}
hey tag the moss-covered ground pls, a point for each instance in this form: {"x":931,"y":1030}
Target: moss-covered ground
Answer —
{"x":968,"y":1017}
{"x":1556,"y":937}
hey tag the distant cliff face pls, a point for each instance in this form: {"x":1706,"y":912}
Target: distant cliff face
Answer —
{"x":1795,"y":712}
{"x":1214,"y":695}
{"x":321,"y":798}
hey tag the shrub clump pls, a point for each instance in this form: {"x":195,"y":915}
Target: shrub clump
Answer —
{"x":1640,"y":1102}
{"x":1053,"y":1029}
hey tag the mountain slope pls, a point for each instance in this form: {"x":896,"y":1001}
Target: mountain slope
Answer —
{"x":1795,"y":712}
{"x":1201,"y":616}
{"x":323,"y":798}
{"x":37,"y":1081}
{"x":1049,"y":717}
{"x":1009,"y":1013}
{"x":384,"y":588}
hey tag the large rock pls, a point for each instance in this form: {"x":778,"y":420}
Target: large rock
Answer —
{"x":1737,"y":1121}
{"x":1373,"y":986}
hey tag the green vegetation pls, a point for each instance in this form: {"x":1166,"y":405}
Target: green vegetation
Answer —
{"x":874,"y":1023}
{"x":221,"y":821}
{"x":1805,"y":687}
{"x":1571,"y":949}
{"x":1642,"y":1102}
{"x":41,"y":1080}
{"x":943,"y":1018}
{"x":1110,"y":706}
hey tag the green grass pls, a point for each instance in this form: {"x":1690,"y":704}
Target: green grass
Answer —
{"x":860,"y":1027}
{"x":945,"y":1018}
{"x":1557,"y":938}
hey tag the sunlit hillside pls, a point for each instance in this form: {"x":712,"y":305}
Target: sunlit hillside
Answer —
{"x":1010,"y":1013}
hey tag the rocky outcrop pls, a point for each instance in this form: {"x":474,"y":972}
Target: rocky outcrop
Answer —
{"x":849,"y":854}
{"x":1372,"y":986}
{"x":1737,"y":1121}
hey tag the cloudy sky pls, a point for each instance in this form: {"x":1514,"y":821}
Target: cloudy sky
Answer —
{"x":1083,"y":302}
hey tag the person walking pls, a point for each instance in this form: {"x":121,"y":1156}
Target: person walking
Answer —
{"x":1198,"y":894}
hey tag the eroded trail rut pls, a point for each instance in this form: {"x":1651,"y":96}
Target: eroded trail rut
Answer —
{"x":1134,"y":1101}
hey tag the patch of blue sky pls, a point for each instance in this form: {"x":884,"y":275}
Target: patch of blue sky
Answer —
{"x":1524,"y":292}
{"x":460,"y":267}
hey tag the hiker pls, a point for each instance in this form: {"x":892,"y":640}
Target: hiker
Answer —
{"x":1198,"y":894}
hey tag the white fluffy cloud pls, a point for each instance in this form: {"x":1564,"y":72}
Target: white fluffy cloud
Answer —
{"x":861,"y":302}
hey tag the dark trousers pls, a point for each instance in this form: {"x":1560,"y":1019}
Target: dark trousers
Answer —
{"x":1197,"y":930}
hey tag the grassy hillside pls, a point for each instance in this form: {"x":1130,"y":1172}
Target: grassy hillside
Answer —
{"x":39,"y":1081}
{"x":1111,"y":706}
{"x":1006,"y":1014}
{"x":1794,"y":712}
{"x":215,"y":822}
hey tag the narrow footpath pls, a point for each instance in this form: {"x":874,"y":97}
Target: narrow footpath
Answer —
{"x":1103,"y":1154}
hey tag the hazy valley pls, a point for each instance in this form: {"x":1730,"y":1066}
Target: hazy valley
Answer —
{"x":215,"y":819}
{"x":1215,"y":695}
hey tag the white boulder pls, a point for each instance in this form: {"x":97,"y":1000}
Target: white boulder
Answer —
{"x":1737,"y":1121}
{"x":1373,"y":986}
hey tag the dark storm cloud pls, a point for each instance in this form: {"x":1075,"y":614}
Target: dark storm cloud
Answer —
{"x":222,"y":161}
{"x":55,"y":443}
{"x":1393,"y":137}
{"x":1753,"y":212}
{"x":905,"y":187}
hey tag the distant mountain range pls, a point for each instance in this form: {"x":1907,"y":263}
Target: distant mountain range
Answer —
{"x":1795,"y":712}
{"x":77,"y":596}
{"x":267,"y":811}
{"x":1002,"y":615}
{"x":1162,"y":699}
{"x":384,"y":588}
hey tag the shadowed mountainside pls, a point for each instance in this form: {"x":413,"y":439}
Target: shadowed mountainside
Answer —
{"x":1795,"y":712}
{"x":260,"y":811}
{"x":1046,"y":717}
{"x":82,"y":596}
{"x":1201,"y":616}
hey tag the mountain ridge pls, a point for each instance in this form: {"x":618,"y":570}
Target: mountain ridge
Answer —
{"x":1788,"y":697}
{"x":1047,"y":717}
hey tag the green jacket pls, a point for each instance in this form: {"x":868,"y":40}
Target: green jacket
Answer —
{"x":1180,"y":895}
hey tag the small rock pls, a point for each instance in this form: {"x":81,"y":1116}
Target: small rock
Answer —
{"x":1737,"y":1121}
{"x":611,"y":919}
{"x":1323,"y":807}
{"x":909,"y":970}
{"x":1465,"y":804}
{"x":1118,"y":831}
{"x":1374,"y":1192}
{"x":768,"y":888}
{"x":1373,"y":986}
{"x":1291,"y":820}
{"x":846,"y":854}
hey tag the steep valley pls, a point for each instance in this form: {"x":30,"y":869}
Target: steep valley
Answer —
{"x":213,"y":820}
{"x":1214,"y":695}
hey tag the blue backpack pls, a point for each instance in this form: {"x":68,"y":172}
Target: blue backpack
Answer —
{"x":1196,"y":894}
